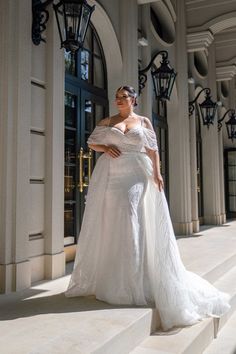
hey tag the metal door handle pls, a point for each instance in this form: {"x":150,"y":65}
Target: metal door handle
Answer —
{"x":82,"y":156}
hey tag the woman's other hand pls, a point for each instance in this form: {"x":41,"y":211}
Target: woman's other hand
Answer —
{"x":112,"y":151}
{"x":158,"y":180}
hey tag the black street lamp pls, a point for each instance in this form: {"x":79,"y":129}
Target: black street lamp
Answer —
{"x":163,"y":77}
{"x":72,"y":16}
{"x":230,"y":124}
{"x":207,"y":107}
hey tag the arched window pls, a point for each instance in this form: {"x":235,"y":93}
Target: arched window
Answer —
{"x":88,"y":66}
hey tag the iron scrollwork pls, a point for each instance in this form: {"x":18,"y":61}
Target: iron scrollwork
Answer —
{"x":40,"y":19}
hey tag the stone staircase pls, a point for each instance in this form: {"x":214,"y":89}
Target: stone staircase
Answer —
{"x":194,"y":339}
{"x":42,"y":320}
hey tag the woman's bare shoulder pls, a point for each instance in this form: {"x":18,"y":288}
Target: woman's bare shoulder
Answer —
{"x":147,"y":123}
{"x":105,"y":121}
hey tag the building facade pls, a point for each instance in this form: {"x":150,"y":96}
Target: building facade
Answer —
{"x":50,"y":102}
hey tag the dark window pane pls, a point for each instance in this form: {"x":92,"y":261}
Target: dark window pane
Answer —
{"x":88,"y":116}
{"x":70,"y":110}
{"x":231,"y":158}
{"x":99,"y":112}
{"x":232,"y":203}
{"x":69,"y":147}
{"x":69,"y":182}
{"x":85,"y":66}
{"x":70,"y":63}
{"x":88,"y":39}
{"x":232,"y":172}
{"x":69,"y":222}
{"x":98,"y":78}
{"x":96,"y":46}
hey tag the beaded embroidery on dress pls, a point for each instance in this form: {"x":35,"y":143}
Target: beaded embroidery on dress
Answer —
{"x":127,"y":251}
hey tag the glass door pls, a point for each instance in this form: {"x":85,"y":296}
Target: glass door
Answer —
{"x":230,"y":182}
{"x":70,"y":167}
{"x":82,"y":111}
{"x":93,"y":109}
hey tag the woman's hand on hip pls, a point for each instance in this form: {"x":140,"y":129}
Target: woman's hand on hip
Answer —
{"x":112,"y":151}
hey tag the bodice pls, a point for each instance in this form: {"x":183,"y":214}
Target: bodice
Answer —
{"x":131,"y":141}
{"x":134,"y":140}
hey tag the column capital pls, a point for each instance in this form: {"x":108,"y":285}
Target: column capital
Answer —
{"x":225,"y":72}
{"x":198,"y":41}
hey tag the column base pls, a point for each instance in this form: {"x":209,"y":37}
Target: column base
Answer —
{"x":37,"y":265}
{"x":196,"y":225}
{"x":183,"y":228}
{"x":223,"y":218}
{"x":213,"y":220}
{"x":54,"y":265}
{"x":15,"y":277}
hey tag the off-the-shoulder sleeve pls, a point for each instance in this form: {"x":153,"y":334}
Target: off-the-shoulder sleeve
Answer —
{"x":149,"y":139}
{"x":98,"y":135}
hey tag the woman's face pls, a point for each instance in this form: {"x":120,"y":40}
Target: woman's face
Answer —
{"x":123,"y":100}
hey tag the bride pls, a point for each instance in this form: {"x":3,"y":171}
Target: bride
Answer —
{"x":127,"y":252}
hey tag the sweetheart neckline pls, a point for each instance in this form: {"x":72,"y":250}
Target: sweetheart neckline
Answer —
{"x":124,"y":133}
{"x":135,"y":127}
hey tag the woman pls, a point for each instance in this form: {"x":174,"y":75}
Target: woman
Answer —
{"x":127,"y":252}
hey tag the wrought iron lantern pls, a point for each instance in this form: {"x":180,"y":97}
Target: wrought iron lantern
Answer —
{"x":231,"y":127}
{"x":207,"y":108}
{"x":230,"y":124}
{"x":163,"y":77}
{"x":72,"y":17}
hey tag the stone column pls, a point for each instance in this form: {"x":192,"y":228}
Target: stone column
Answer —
{"x":193,"y":163}
{"x":129,"y":41}
{"x":221,"y":170}
{"x":232,"y":105}
{"x":211,"y":171}
{"x":180,"y":187}
{"x":54,"y":171}
{"x":232,"y":93}
{"x":15,"y":102}
{"x":146,"y":96}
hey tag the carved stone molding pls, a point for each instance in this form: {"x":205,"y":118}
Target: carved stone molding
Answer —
{"x":199,"y":41}
{"x":226,"y":72}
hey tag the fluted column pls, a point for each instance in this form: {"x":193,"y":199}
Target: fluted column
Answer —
{"x":193,"y":163}
{"x":15,"y":102}
{"x":221,"y":171}
{"x":129,"y":41}
{"x":180,"y":187}
{"x":54,"y":179}
{"x":146,"y":97}
{"x":211,"y":171}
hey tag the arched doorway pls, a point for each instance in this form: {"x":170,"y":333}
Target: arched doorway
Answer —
{"x":86,"y":103}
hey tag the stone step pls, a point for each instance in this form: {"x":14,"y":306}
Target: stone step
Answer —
{"x":220,"y":268}
{"x":226,"y":340}
{"x":41,"y":320}
{"x":194,"y":339}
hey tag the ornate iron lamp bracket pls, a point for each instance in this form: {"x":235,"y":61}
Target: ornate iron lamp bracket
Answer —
{"x":232,"y":111}
{"x":143,"y":76}
{"x":191,"y":103}
{"x":40,"y":19}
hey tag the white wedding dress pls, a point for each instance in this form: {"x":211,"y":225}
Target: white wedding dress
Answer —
{"x":127,"y":252}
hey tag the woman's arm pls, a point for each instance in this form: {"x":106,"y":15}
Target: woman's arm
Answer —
{"x":155,"y":157}
{"x":110,"y":150}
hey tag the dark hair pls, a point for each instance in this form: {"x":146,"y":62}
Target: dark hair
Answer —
{"x":131,"y":91}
